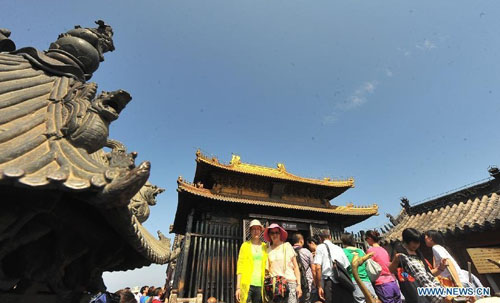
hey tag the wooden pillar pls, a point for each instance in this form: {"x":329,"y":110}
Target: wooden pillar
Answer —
{"x":185,"y":254}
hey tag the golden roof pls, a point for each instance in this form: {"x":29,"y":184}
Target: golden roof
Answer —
{"x":279,"y":172}
{"x":349,"y":209}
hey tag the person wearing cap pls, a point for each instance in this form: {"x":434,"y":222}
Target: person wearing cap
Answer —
{"x":330,"y":290}
{"x":251,"y":267}
{"x":282,"y":260}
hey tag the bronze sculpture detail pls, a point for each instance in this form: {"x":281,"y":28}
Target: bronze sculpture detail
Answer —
{"x":70,"y":210}
{"x":356,"y":262}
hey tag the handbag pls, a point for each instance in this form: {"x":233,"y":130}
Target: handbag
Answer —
{"x":340,"y":273}
{"x":373,"y":269}
{"x":276,"y":288}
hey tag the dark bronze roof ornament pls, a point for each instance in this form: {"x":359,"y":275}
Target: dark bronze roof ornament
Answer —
{"x":405,"y":204}
{"x":494,"y":171}
{"x":6,"y":45}
{"x":76,"y":53}
{"x":86,"y":46}
{"x":71,"y":209}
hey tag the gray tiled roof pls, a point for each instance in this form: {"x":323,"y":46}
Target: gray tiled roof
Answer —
{"x":474,"y":214}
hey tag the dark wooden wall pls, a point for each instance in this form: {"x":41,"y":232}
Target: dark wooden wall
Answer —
{"x":210,"y":252}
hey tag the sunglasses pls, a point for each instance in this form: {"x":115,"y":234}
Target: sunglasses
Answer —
{"x":274,"y":233}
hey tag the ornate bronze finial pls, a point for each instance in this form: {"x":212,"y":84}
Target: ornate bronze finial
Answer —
{"x":85,"y":46}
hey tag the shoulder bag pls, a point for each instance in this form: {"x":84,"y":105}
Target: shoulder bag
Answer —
{"x":340,"y":273}
{"x":373,"y":269}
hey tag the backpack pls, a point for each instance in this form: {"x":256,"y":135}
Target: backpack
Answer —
{"x":304,"y":285}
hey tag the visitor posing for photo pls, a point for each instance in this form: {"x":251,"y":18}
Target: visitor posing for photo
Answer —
{"x":251,"y":267}
{"x":282,"y":261}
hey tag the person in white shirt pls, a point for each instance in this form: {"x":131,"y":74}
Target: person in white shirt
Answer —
{"x":331,"y":291}
{"x":435,"y":240}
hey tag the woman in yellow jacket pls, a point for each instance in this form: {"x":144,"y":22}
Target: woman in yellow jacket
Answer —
{"x":251,"y":267}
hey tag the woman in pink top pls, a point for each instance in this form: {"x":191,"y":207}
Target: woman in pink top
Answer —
{"x":386,"y":287}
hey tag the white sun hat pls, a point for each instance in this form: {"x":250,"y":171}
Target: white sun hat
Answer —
{"x":256,"y":222}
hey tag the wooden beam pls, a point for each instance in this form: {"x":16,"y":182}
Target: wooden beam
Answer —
{"x":288,"y":219}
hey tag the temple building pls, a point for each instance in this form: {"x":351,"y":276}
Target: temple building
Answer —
{"x":469,"y":220}
{"x":214,"y":212}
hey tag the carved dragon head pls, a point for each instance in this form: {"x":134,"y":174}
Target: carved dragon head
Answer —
{"x":139,"y":204}
{"x":87,"y":117}
{"x":110,"y":104}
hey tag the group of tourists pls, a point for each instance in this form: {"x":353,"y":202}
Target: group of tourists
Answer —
{"x":151,"y":294}
{"x":146,"y":294}
{"x":317,"y":270}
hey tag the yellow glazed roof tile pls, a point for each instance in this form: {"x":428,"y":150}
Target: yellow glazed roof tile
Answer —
{"x":279,"y":172}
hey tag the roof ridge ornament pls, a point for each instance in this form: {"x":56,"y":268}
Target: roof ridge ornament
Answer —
{"x":235,"y":160}
{"x":405,"y":203}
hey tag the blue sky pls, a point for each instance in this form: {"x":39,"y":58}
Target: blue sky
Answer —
{"x":401,"y":95}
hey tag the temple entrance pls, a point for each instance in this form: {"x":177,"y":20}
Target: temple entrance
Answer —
{"x":215,"y":210}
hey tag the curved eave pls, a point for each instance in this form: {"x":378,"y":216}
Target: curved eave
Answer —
{"x":274,"y":173}
{"x":338,"y":210}
{"x":152,"y":249}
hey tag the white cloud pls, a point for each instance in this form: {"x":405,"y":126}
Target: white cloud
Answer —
{"x":405,"y":52}
{"x":427,"y":45}
{"x":331,"y":118}
{"x":358,"y":98}
{"x":369,"y":87}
